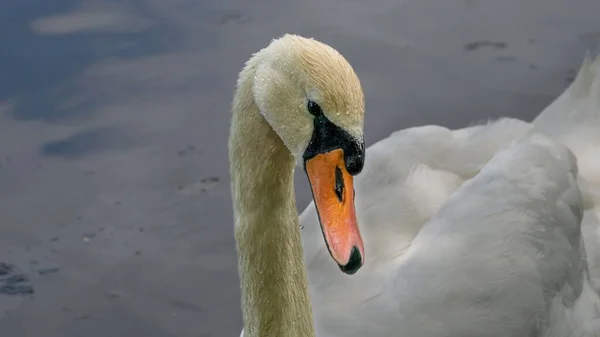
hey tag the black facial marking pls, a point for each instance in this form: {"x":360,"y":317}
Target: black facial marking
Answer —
{"x":354,"y":263}
{"x":327,"y":137}
{"x":339,"y":183}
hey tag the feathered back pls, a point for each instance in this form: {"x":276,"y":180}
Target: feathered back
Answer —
{"x":574,"y":119}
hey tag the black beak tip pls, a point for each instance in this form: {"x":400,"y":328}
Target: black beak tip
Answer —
{"x":354,"y":263}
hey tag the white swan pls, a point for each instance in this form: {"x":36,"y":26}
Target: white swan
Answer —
{"x":432,"y":285}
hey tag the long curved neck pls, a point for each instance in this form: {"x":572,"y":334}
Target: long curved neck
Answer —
{"x":275,"y":299}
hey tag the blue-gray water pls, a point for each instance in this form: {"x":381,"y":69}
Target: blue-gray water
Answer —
{"x":114,"y":192}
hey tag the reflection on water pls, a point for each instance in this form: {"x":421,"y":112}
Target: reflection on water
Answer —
{"x":87,"y":142}
{"x":37,"y":68}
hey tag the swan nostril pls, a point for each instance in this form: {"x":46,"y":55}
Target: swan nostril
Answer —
{"x":339,"y":184}
{"x":354,"y":263}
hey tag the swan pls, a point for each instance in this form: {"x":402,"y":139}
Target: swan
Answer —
{"x":296,"y":101}
{"x":411,"y":188}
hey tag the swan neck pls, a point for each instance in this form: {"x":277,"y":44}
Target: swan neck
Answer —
{"x":275,"y":299}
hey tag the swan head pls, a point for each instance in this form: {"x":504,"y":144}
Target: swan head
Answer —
{"x":310,"y":95}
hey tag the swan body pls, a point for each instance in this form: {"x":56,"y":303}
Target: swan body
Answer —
{"x":489,"y":230}
{"x":408,"y":187}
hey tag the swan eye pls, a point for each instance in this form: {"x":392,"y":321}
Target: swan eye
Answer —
{"x":314,"y":109}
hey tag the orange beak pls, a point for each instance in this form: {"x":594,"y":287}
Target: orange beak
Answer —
{"x":333,"y":193}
